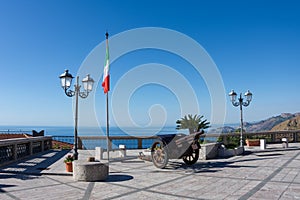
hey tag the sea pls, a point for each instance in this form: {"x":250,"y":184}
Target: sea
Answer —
{"x":92,"y":131}
{"x":66,"y":133}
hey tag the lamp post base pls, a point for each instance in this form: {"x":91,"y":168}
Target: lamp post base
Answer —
{"x":75,"y":155}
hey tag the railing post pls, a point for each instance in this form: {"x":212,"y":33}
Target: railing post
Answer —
{"x":273,"y":137}
{"x":15,"y":151}
{"x":140,"y":143}
{"x":79,"y":143}
{"x":50,"y":141}
{"x":30,"y":148}
{"x":42,"y":145}
{"x":109,"y":144}
{"x":295,"y":137}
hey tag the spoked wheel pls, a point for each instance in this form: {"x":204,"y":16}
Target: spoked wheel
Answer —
{"x":193,"y":158}
{"x":159,"y":154}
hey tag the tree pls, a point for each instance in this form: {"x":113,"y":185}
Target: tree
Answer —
{"x":193,"y":123}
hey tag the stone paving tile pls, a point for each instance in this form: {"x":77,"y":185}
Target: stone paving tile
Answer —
{"x":297,"y":178}
{"x":50,"y":192}
{"x":233,"y":186}
{"x":246,"y":186}
{"x":271,"y":191}
{"x":5,"y":196}
{"x":144,"y":195}
{"x":281,"y":175}
{"x":232,"y":197}
{"x":294,"y":164}
{"x":222,"y":189}
{"x":105,"y":191}
{"x":260,"y":173}
{"x":21,"y":182}
{"x":290,"y":176}
{"x":292,"y":192}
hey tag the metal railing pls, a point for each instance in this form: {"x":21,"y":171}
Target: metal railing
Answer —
{"x":131,"y":142}
{"x":61,"y":138}
{"x":14,"y":149}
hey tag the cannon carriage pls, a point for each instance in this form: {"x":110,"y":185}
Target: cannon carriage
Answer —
{"x":175,"y":146}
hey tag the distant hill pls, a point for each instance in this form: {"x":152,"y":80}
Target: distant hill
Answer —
{"x":290,"y":124}
{"x":225,"y":129}
{"x":268,"y":124}
{"x":285,"y":121}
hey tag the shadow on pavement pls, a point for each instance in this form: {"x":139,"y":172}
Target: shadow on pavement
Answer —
{"x":33,"y":165}
{"x":5,"y":186}
{"x":118,"y":178}
{"x":215,"y":166}
{"x":199,"y":167}
{"x":269,"y":154}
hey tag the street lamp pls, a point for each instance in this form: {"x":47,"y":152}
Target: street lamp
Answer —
{"x":66,"y":81}
{"x":241,"y":103}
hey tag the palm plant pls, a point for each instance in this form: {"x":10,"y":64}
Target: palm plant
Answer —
{"x":193,"y":123}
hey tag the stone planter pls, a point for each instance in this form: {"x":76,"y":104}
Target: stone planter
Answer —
{"x":223,"y":152}
{"x":208,"y":151}
{"x":90,"y":171}
{"x":252,"y":142}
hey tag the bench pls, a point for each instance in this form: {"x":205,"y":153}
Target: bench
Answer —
{"x":99,"y":151}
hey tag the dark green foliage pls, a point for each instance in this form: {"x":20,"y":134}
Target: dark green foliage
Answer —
{"x":66,"y":147}
{"x":232,"y":146}
{"x":231,"y":141}
{"x":193,"y":123}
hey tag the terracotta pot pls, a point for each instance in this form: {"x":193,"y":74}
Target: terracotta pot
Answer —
{"x":69,"y":166}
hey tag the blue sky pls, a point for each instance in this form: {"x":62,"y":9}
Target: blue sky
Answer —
{"x":254,"y":44}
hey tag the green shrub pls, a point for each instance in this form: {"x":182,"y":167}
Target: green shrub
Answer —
{"x":232,"y":141}
{"x":66,"y":147}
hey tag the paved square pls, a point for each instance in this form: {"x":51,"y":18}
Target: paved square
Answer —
{"x":270,"y":174}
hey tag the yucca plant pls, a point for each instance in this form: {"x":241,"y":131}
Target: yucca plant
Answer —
{"x":193,"y":123}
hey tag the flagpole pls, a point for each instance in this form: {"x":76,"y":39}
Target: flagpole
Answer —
{"x":107,"y":113}
{"x":107,"y":127}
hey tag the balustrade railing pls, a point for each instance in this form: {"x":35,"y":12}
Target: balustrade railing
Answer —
{"x":270,"y":136}
{"x":14,"y":149}
{"x":131,"y":142}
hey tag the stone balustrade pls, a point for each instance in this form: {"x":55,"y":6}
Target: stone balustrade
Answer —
{"x":12,"y":150}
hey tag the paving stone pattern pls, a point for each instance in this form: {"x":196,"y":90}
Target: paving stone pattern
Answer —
{"x":273,"y":173}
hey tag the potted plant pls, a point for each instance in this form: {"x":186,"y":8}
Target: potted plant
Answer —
{"x":69,"y":162}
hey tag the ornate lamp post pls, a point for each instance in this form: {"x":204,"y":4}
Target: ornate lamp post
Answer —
{"x":241,"y":103}
{"x":66,"y":81}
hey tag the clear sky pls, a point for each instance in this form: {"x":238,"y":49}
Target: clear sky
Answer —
{"x":255,"y":45}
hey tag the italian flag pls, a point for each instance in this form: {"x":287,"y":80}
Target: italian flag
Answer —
{"x":105,"y":83}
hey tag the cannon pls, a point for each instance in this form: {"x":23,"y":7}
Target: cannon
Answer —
{"x":175,"y":146}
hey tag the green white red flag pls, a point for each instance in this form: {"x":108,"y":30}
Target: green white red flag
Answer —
{"x":105,"y":83}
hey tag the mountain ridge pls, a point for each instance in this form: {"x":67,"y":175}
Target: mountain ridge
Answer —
{"x":268,"y":124}
{"x":290,"y":124}
{"x":284,"y":121}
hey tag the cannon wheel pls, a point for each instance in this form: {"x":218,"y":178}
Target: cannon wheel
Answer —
{"x":159,"y":154}
{"x":193,"y":158}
